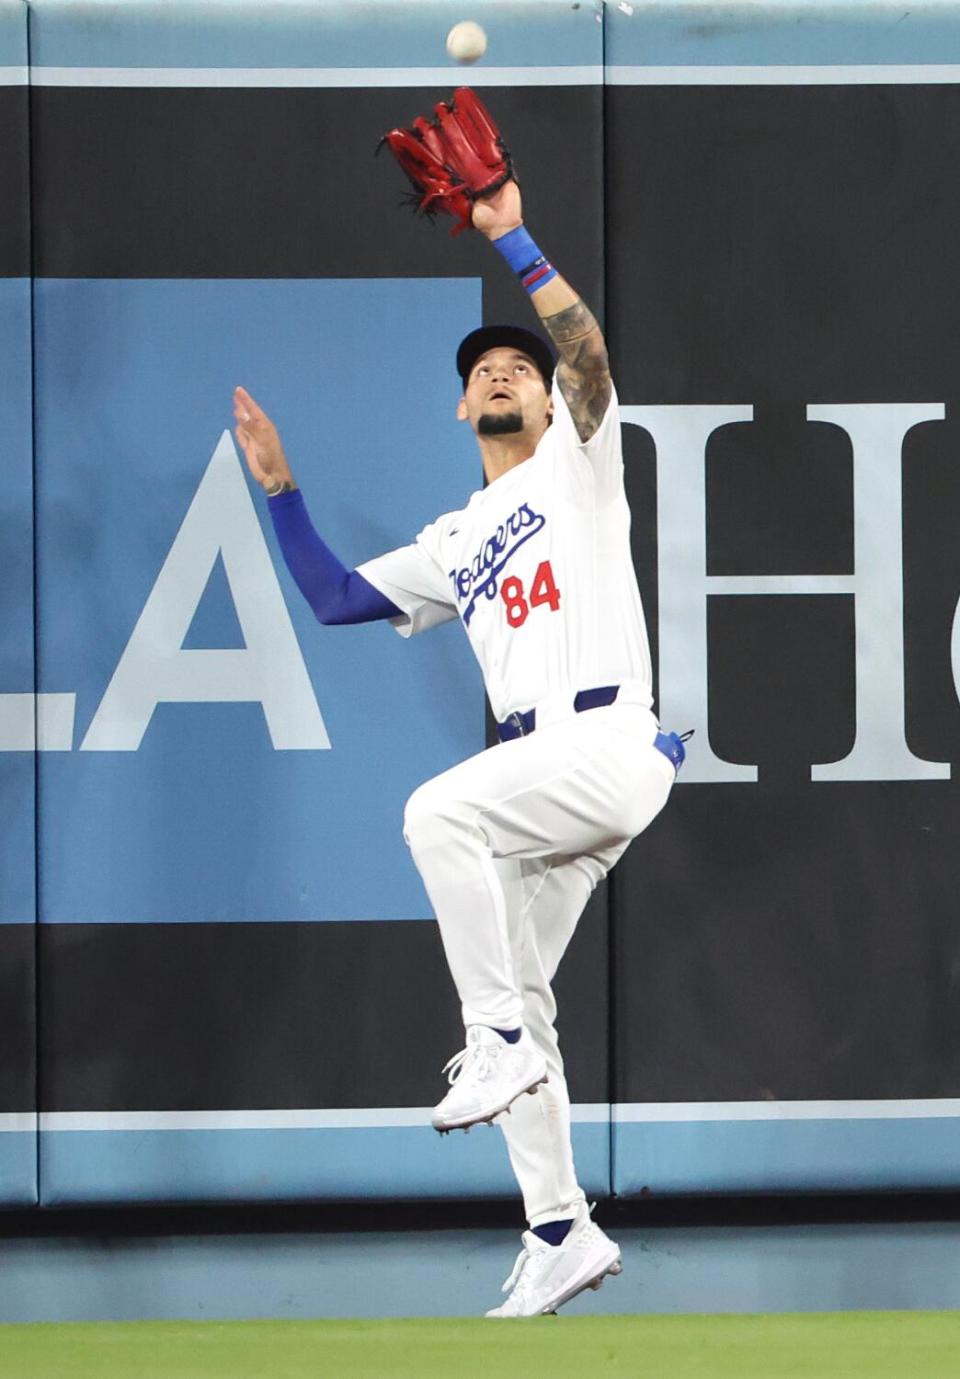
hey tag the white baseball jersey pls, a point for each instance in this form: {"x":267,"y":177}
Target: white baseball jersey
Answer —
{"x":537,"y":567}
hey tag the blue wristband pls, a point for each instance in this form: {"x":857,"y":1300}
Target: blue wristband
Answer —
{"x":532,"y":267}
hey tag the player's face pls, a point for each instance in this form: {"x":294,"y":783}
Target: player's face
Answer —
{"x":506,"y":395}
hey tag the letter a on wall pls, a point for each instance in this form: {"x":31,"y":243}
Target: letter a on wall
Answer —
{"x":269,"y":669}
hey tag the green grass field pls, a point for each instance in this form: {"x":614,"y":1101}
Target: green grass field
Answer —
{"x":842,"y":1345}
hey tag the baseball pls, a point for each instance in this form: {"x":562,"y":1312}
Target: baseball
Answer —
{"x":466,"y":41}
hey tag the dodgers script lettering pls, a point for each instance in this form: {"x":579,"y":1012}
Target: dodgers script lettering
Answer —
{"x":480,"y":576}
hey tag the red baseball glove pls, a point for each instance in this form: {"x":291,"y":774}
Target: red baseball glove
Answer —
{"x":453,"y":158}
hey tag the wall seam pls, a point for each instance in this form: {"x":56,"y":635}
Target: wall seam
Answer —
{"x":611,"y":880}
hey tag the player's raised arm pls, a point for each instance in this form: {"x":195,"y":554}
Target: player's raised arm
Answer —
{"x":336,"y":594}
{"x":583,"y":372}
{"x":458,"y":163}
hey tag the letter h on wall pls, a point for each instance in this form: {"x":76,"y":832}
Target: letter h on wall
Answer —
{"x":876,"y":432}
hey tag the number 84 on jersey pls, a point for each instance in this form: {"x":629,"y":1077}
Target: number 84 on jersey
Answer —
{"x":521,"y":602}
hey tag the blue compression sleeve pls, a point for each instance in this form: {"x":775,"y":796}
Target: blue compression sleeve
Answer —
{"x":335,"y":594}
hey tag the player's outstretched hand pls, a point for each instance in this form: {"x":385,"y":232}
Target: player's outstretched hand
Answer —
{"x":501,"y":211}
{"x":259,"y":441}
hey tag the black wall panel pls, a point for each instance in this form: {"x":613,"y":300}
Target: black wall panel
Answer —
{"x":15,"y":171}
{"x":262,"y":1016}
{"x":18,"y":1092}
{"x":152,"y":183}
{"x":781,"y":246}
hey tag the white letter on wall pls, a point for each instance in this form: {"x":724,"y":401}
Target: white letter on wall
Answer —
{"x":876,"y":431}
{"x":269,"y":670}
{"x":681,"y":434}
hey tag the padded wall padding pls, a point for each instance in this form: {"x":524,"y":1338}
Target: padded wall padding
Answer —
{"x":788,"y":248}
{"x":17,"y":797}
{"x":236,"y":946}
{"x":231,"y":925}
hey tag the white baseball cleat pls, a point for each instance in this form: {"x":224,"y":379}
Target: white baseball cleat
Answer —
{"x":486,"y":1077}
{"x":546,"y":1276}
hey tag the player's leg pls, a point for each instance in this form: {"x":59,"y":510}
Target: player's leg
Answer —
{"x":514,"y":891}
{"x":570,"y":789}
{"x":564,"y":1252}
{"x":551,"y":897}
{"x":573,"y":788}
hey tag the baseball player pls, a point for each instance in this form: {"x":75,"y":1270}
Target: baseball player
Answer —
{"x":511,"y":843}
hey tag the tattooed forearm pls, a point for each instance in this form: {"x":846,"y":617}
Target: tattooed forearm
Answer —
{"x":583,"y":372}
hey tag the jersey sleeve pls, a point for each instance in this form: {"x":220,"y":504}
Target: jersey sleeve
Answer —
{"x":336,"y":594}
{"x":602,"y":454}
{"x":413,"y":579}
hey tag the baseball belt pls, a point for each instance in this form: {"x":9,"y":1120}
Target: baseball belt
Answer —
{"x":523,"y":724}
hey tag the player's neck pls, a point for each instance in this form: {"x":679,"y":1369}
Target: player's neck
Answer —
{"x":500,"y":454}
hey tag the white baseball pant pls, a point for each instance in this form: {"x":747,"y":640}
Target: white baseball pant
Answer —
{"x":510,"y":845}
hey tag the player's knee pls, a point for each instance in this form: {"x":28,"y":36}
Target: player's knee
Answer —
{"x":427,"y":817}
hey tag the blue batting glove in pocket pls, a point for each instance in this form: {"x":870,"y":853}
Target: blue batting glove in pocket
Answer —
{"x":671,"y":745}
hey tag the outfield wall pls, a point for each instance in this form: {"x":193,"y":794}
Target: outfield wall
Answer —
{"x":18,"y":898}
{"x":240,"y":991}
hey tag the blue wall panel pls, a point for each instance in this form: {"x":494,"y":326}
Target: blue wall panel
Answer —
{"x":18,"y":1145}
{"x":844,"y":1148}
{"x":810,"y":34}
{"x":17,"y":900}
{"x":216,"y":817}
{"x":222,"y":815}
{"x":405,"y":40}
{"x":285,"y":1164}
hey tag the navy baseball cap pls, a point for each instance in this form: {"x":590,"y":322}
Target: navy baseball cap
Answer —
{"x":512,"y":337}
